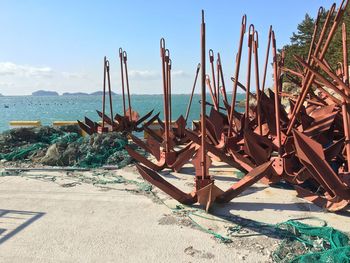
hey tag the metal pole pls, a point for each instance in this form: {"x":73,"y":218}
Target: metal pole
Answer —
{"x":309,"y":79}
{"x":122,"y":78}
{"x":320,"y":12}
{"x":235,"y":83}
{"x":166,"y":106}
{"x":345,"y":106}
{"x":193,"y":87}
{"x":266,"y":60}
{"x":211,"y":59}
{"x":276,"y":89}
{"x":169,"y":89}
{"x":109,"y":91}
{"x":104,"y":93}
{"x":218,"y":82}
{"x":223,"y":88}
{"x":127,"y":82}
{"x":212,"y":94}
{"x":203,"y":105}
{"x":166,"y":61}
{"x":257,"y":80}
{"x":250,"y":43}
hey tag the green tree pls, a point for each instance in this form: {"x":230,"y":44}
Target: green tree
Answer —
{"x":300,"y":41}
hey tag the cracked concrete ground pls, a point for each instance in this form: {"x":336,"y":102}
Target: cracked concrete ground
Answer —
{"x":72,"y":217}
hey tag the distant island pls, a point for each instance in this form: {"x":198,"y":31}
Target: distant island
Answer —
{"x":100,"y":93}
{"x":54,"y":93}
{"x":75,"y":94}
{"x":1,"y":95}
{"x":45,"y":93}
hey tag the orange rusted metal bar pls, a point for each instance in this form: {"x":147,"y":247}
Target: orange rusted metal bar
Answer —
{"x":238,"y":64}
{"x":193,"y":88}
{"x":266,"y":60}
{"x":125,"y":58}
{"x":277,"y":97}
{"x":250,"y":48}
{"x":104,"y":93}
{"x":211,"y":60}
{"x":319,"y":51}
{"x":203,"y":104}
{"x":122,"y":78}
{"x":345,"y":106}
{"x":257,"y":80}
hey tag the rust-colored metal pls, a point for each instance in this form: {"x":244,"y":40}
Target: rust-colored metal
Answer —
{"x":313,"y":39}
{"x":306,"y":80}
{"x":109,"y":92}
{"x":165,"y":92}
{"x":323,"y":79}
{"x":266,"y":60}
{"x":333,"y":75}
{"x":277,"y":97}
{"x":205,"y":191}
{"x":193,"y":88}
{"x":104,"y":93}
{"x":88,"y":126}
{"x":223,"y":88}
{"x":162,"y":146}
{"x":251,"y":32}
{"x":211,"y":60}
{"x":320,"y":51}
{"x":312,"y":156}
{"x":345,"y":105}
{"x":257,"y":81}
{"x":155,"y":179}
{"x":203,"y":105}
{"x":306,"y":144}
{"x":125,"y":58}
{"x":168,"y":66}
{"x":248,"y":180}
{"x":122,"y":78}
{"x":238,"y":64}
{"x":212,"y":94}
{"x":218,"y":80}
{"x":107,"y":123}
{"x":131,"y":120}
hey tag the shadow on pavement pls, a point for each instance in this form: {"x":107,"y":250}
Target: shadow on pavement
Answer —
{"x":13,"y":221}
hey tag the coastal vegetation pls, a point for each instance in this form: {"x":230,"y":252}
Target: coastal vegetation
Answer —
{"x":301,"y":39}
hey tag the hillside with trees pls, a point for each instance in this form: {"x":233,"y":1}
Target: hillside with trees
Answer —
{"x":301,"y":39}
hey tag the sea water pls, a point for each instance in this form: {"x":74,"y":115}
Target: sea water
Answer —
{"x":72,"y":108}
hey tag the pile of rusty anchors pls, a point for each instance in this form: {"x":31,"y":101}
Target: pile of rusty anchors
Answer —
{"x":177,"y":128}
{"x":162,"y":147}
{"x":205,"y":191}
{"x":306,"y":145}
{"x":128,"y":122}
{"x":320,"y":129}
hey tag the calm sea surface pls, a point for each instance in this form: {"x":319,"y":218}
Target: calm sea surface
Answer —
{"x":70,"y":108}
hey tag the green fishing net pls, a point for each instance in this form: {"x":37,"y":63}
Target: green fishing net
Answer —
{"x":304,"y":243}
{"x":64,"y":146}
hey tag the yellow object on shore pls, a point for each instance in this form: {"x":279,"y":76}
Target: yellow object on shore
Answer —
{"x":24,"y":124}
{"x":64,"y":123}
{"x":155,"y":126}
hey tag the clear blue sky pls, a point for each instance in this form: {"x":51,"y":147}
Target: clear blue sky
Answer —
{"x":59,"y":45}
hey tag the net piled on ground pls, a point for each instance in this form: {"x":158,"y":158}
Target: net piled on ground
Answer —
{"x":63,"y":146}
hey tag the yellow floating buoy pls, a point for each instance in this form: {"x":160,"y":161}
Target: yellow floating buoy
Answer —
{"x":24,"y":124}
{"x":64,"y":123}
